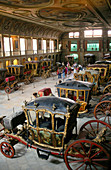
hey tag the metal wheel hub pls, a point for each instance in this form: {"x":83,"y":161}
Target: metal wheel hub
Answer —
{"x":87,"y":160}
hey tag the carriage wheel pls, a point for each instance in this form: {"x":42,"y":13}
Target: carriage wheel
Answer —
{"x":7,"y":90}
{"x":106,"y":96}
{"x":103,"y":111}
{"x":107,"y":89}
{"x":91,"y":128}
{"x":7,"y":149}
{"x":85,"y":154}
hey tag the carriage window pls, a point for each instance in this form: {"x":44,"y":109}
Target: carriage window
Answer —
{"x":48,"y":63}
{"x":31,"y":117}
{"x":59,"y":122}
{"x":34,"y":66}
{"x":102,"y":72}
{"x":30,"y":66}
{"x":16,"y":70}
{"x":44,"y":64}
{"x":9,"y":70}
{"x":63,"y":93}
{"x":13,"y":71}
{"x":27,"y":66}
{"x":72,"y":95}
{"x":45,"y":120}
{"x":81,"y":95}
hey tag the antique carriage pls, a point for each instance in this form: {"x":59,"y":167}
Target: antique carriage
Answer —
{"x":15,"y":70}
{"x":19,"y":72}
{"x":103,"y":71}
{"x":49,"y":125}
{"x":79,"y":91}
{"x":11,"y":84}
{"x":3,"y":73}
{"x":89,"y":59}
{"x":46,"y":65}
{"x":34,"y":66}
{"x":89,"y":76}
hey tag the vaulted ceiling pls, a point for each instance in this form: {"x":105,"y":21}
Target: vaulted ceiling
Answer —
{"x":62,"y":15}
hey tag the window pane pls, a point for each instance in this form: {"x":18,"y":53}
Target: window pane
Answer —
{"x":76,"y":34}
{"x":70,"y":34}
{"x":97,"y":33}
{"x":109,"y":33}
{"x":88,"y":33}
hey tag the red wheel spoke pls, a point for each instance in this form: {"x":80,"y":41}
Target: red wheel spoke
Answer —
{"x":90,"y":150}
{"x":102,"y":159}
{"x":92,"y":129}
{"x":99,"y":165}
{"x":78,"y":151}
{"x":95,"y":154}
{"x":83,"y":149}
{"x":94,"y":167}
{"x":88,"y":131}
{"x":80,"y":166}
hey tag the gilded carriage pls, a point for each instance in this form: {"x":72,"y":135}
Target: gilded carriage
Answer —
{"x":46,"y":65}
{"x":20,"y":74}
{"x":34,"y":66}
{"x":79,"y":91}
{"x":49,"y":125}
{"x":89,"y":76}
{"x":103,"y":71}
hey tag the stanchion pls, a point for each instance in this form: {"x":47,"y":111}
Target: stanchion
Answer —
{"x":13,"y":110}
{"x":45,"y":81}
{"x":8,"y":96}
{"x":33,"y":85}
{"x":22,"y":90}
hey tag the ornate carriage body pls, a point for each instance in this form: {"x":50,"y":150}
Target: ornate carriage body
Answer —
{"x":79,"y":91}
{"x":103,"y":71}
{"x":89,"y":76}
{"x":48,"y":125}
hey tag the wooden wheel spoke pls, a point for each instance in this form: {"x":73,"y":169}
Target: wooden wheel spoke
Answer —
{"x":92,"y":129}
{"x":99,"y":165}
{"x":78,"y":151}
{"x":88,"y":131}
{"x":80,"y":166}
{"x":90,"y":151}
{"x":96,"y":154}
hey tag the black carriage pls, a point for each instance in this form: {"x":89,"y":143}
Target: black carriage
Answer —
{"x":49,"y":125}
{"x":89,"y":59}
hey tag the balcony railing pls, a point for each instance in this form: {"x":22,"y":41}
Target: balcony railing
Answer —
{"x":27,"y":52}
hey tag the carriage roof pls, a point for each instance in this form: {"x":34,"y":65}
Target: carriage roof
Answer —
{"x":75,"y":84}
{"x":3,"y":70}
{"x":18,"y":66}
{"x":91,"y":71}
{"x":103,"y":62}
{"x":97,"y":65}
{"x":52,"y":103}
{"x":33,"y":61}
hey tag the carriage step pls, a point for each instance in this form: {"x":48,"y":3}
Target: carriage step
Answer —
{"x":41,"y":155}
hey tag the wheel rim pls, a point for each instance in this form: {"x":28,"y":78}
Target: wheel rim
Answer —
{"x":7,"y":150}
{"x":85,"y":154}
{"x":107,"y":89}
{"x":7,"y":90}
{"x":102,"y":111}
{"x":91,"y":128}
{"x":105,"y":97}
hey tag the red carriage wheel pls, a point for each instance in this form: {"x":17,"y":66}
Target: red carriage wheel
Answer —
{"x":103,"y":111}
{"x":7,"y":149}
{"x":91,"y":128}
{"x":107,"y":89}
{"x":7,"y":90}
{"x":106,"y":96}
{"x":85,"y":154}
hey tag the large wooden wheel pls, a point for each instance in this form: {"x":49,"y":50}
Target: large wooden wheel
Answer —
{"x":107,"y":89}
{"x":85,"y":155}
{"x":7,"y":149}
{"x":102,"y":111}
{"x":106,"y":96}
{"x":92,"y":128}
{"x":7,"y":89}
